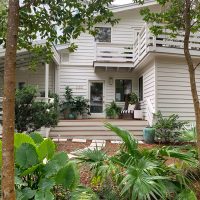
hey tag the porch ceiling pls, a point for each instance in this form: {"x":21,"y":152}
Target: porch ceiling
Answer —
{"x":24,"y":57}
{"x":23,"y":60}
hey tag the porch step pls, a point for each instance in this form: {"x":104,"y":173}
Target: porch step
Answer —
{"x":94,"y":129}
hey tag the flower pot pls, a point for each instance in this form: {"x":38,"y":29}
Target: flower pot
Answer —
{"x":149,"y":135}
{"x":79,"y":116}
{"x":71,"y":116}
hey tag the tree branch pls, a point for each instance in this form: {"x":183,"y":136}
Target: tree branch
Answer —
{"x":196,"y":66}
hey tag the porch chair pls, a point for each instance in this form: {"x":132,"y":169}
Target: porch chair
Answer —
{"x":128,"y":111}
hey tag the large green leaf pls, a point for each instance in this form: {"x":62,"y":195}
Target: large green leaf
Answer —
{"x":46,"y":184}
{"x":68,"y":176}
{"x":46,"y":149}
{"x":44,"y":195}
{"x":55,"y":164}
{"x":21,"y":138}
{"x":26,"y":156}
{"x":25,"y":194}
{"x":30,"y":170}
{"x":36,"y":137}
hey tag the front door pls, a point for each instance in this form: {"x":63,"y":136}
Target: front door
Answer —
{"x":97,"y":98}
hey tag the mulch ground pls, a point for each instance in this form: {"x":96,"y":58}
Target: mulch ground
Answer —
{"x":70,"y":146}
{"x":110,"y":149}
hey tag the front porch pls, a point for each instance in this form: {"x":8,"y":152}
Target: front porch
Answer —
{"x":93,"y":129}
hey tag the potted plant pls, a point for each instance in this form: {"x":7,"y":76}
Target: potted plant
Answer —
{"x":80,"y":107}
{"x":67,"y":104}
{"x":133,"y":100}
{"x":149,"y":134}
{"x":113,"y":111}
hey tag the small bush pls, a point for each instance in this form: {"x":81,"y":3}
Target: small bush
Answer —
{"x":168,"y":129}
{"x":76,"y":105}
{"x":31,"y":115}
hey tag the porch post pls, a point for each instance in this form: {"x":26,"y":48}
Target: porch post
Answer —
{"x":46,"y":82}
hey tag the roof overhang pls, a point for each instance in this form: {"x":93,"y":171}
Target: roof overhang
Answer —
{"x":131,"y":6}
{"x":24,"y":57}
{"x":116,"y":66}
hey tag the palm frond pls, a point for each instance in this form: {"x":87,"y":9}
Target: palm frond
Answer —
{"x":130,"y":143}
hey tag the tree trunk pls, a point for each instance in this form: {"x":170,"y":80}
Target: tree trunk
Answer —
{"x":8,"y":189}
{"x":191,"y":70}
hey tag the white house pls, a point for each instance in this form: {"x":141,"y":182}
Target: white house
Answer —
{"x":120,"y":59}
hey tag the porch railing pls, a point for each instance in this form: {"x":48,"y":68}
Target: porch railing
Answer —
{"x":150,"y":112}
{"x":43,"y":99}
{"x":112,"y":52}
{"x":163,"y":43}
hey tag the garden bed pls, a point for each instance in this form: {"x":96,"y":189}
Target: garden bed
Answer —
{"x":69,"y":146}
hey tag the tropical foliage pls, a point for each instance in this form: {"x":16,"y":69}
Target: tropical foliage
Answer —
{"x":168,"y":129}
{"x":30,"y":114}
{"x":112,"y":110}
{"x":40,"y":171}
{"x":74,"y":104}
{"x":140,"y":174}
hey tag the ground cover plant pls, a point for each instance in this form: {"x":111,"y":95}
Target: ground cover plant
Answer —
{"x":137,"y":174}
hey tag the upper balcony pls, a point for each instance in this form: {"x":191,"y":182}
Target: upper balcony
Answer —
{"x":114,"y":55}
{"x":146,"y":42}
{"x":128,"y":55}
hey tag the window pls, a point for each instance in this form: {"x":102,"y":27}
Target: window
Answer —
{"x":122,"y":89}
{"x":21,"y":85}
{"x":103,"y":34}
{"x":141,"y":88}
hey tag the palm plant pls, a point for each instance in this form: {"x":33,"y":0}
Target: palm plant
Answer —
{"x":143,"y":174}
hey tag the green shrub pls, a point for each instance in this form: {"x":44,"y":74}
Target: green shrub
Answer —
{"x":71,"y":104}
{"x":168,"y":129}
{"x":31,"y":115}
{"x":112,"y":110}
{"x":81,"y":105}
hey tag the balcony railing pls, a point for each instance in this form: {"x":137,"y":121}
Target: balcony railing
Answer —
{"x":111,"y":52}
{"x":147,"y":42}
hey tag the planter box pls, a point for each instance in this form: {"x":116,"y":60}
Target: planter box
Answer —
{"x":138,"y":114}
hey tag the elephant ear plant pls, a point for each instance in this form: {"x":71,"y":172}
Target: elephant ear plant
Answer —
{"x":39,"y":169}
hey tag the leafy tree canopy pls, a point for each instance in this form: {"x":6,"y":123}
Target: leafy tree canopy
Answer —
{"x":55,"y":21}
{"x":172,"y":16}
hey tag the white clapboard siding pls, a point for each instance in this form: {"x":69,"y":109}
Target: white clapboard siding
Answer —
{"x":36,"y":78}
{"x":121,"y":33}
{"x":173,"y":88}
{"x":77,"y":78}
{"x":148,"y":87}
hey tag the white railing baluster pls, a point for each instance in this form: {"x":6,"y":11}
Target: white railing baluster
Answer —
{"x":113,"y":52}
{"x":150,"y":111}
